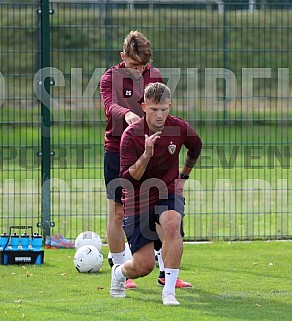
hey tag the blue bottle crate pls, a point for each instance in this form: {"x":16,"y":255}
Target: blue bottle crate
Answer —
{"x":15,"y":249}
{"x":21,"y":257}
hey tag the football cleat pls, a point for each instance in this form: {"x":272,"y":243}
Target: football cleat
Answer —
{"x":130,"y":284}
{"x":117,"y":289}
{"x":168,"y":298}
{"x":180,"y":284}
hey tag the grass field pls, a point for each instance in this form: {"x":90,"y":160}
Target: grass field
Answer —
{"x":231,"y":281}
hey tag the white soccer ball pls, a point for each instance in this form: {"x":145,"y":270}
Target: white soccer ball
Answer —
{"x":128,"y":255}
{"x":88,"y":259}
{"x":88,"y":238}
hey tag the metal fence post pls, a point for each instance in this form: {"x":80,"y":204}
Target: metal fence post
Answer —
{"x":45,"y":117}
{"x":108,"y":30}
{"x":225,"y":58}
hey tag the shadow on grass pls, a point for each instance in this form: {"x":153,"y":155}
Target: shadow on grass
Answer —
{"x":235,"y":306}
{"x":219,"y":307}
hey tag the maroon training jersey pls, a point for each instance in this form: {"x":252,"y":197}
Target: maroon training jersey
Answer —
{"x":121,"y":93}
{"x":161,"y":174}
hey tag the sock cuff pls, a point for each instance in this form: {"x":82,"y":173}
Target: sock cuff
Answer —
{"x":168,"y":270}
{"x":119,"y":274}
{"x":119,"y":258}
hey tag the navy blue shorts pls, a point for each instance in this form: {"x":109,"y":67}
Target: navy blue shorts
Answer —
{"x":111,"y":176}
{"x":140,"y":229}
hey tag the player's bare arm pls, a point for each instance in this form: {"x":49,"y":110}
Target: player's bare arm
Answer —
{"x":137,"y":170}
{"x":187,"y":168}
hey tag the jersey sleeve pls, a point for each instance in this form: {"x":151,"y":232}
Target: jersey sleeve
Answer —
{"x":109,"y":97}
{"x":128,"y":156}
{"x":192,"y":142}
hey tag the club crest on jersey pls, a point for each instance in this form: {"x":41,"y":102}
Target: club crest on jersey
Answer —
{"x":171,"y":148}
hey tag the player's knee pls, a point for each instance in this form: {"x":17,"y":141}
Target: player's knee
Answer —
{"x":144,"y":269}
{"x":171,"y":224}
{"x":143,"y":266}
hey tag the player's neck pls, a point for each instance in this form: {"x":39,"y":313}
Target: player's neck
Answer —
{"x":154,"y":129}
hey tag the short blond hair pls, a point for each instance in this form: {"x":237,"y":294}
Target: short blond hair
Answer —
{"x":138,"y":47}
{"x":157,"y":92}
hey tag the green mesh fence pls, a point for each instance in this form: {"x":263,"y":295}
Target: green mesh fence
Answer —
{"x":20,"y":138}
{"x":227,"y":64}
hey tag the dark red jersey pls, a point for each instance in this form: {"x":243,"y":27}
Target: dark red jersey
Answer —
{"x":121,"y":93}
{"x":161,"y":174}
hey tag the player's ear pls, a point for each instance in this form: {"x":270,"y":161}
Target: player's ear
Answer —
{"x":143,"y":105}
{"x":169,"y":106}
{"x":123,"y":55}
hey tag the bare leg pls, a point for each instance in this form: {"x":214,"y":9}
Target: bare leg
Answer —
{"x":141,"y":264}
{"x":115,"y":232}
{"x":172,"y":248}
{"x":161,"y":279}
{"x":172,"y":242}
{"x":116,"y":236}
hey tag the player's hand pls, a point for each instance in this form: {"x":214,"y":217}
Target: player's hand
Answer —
{"x":131,"y":117}
{"x":149,"y":144}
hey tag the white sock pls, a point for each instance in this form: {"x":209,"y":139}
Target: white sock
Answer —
{"x":119,"y":274}
{"x":170,"y":280}
{"x":160,"y":260}
{"x":119,"y":258}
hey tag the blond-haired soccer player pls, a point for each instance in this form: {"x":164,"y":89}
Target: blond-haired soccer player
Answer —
{"x":153,"y":190}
